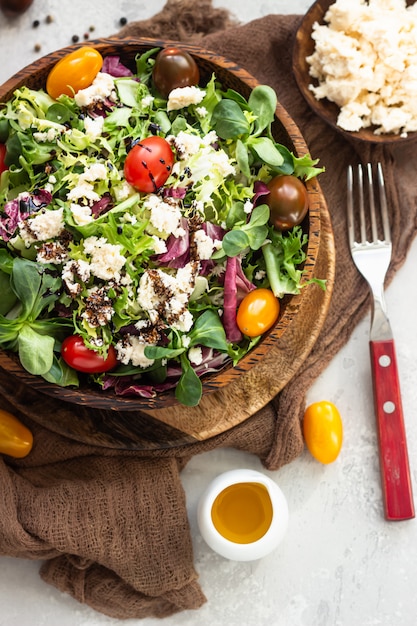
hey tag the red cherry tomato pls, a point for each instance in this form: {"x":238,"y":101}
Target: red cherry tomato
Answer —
{"x":3,"y":166}
{"x":76,"y":354}
{"x":15,"y":439}
{"x":287,"y":200}
{"x":258,"y":312}
{"x":323,"y":431}
{"x":174,"y":68}
{"x":73,"y":72}
{"x":149,"y":164}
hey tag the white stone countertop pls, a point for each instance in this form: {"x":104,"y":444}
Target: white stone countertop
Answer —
{"x":341,"y":563}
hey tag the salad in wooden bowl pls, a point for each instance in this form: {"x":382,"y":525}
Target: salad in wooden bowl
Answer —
{"x":159,"y":223}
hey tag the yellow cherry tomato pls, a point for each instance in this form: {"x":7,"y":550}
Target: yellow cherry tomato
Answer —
{"x":73,"y":72}
{"x":323,"y":431}
{"x":15,"y":439}
{"x":258,"y":312}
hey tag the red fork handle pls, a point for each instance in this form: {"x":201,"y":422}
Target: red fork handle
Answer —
{"x":395,"y":471}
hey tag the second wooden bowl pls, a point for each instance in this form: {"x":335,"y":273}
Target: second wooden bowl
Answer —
{"x":304,"y":47}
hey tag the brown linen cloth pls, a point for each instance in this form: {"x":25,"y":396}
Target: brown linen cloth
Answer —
{"x":110,"y":525}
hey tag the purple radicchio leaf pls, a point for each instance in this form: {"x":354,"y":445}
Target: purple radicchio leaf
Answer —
{"x":178,"y":249}
{"x":212,"y":361}
{"x":242,"y":283}
{"x":260,"y":189}
{"x":233,"y":333}
{"x":214,"y":231}
{"x":101,"y":206}
{"x":17,"y":210}
{"x":130,"y":386}
{"x":113,"y":66}
{"x":40,"y":198}
{"x":101,"y":108}
{"x":174,"y":192}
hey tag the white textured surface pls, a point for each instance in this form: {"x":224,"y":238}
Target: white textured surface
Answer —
{"x":341,"y":564}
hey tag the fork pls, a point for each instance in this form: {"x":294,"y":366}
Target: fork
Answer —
{"x":372,"y":259}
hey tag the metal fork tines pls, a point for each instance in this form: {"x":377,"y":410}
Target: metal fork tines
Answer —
{"x":372,"y":255}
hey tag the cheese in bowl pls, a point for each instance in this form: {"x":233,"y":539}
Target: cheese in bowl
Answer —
{"x":365,"y":61}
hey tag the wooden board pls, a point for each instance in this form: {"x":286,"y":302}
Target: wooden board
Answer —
{"x":218,"y":411}
{"x":231,"y":395}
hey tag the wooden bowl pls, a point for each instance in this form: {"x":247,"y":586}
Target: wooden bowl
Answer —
{"x":285,"y":131}
{"x":304,"y":47}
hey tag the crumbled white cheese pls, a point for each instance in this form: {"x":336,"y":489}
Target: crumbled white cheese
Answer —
{"x":164,"y":296}
{"x":201,"y":111}
{"x":71,"y":271}
{"x":122,"y":190}
{"x":101,"y":88}
{"x":81,"y":214}
{"x":195,"y":355}
{"x":364,"y":61}
{"x":182,"y":97}
{"x":106,"y":258}
{"x":248,"y":207}
{"x":132,"y":349}
{"x":129,"y":218}
{"x":95,"y":171}
{"x":165,"y":215}
{"x":205,"y":245}
{"x":185,"y":340}
{"x":159,"y":245}
{"x":45,"y":225}
{"x":93,"y":126}
{"x":147,"y":101}
{"x":53,"y":252}
{"x":260,"y":275}
{"x":98,"y":307}
{"x":186,"y":144}
{"x":84,"y":189}
{"x":48,"y":135}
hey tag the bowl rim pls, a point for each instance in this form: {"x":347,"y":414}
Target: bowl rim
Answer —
{"x":88,"y":395}
{"x":325,"y":109}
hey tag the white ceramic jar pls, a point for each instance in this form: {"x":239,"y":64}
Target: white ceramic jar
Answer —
{"x":243,"y":515}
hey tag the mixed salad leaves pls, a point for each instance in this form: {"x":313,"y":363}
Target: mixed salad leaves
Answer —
{"x":153,"y":277}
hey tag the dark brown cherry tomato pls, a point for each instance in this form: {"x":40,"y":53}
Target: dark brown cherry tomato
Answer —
{"x":149,"y":164}
{"x":174,"y":68}
{"x":76,"y":354}
{"x":3,"y":166}
{"x":14,"y":7}
{"x":287,"y":200}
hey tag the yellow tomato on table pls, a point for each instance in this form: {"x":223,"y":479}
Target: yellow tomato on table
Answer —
{"x":15,"y":438}
{"x":73,"y":72}
{"x":323,"y":431}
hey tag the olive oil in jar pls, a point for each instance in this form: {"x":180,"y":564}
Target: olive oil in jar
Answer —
{"x":242,"y":512}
